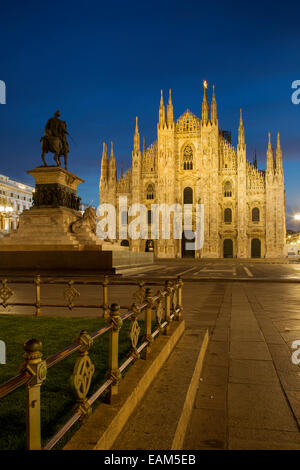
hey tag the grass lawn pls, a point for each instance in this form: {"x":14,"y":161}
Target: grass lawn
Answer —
{"x":57,"y":398}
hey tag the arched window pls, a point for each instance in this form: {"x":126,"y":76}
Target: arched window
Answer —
{"x":149,"y":216}
{"x":188,"y":158}
{"x":124,"y":243}
{"x":150,"y":191}
{"x":227,"y":189}
{"x":228,"y":215}
{"x":187,"y":196}
{"x":255,"y":214}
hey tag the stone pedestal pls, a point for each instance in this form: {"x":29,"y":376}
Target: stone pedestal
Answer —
{"x":48,"y":224}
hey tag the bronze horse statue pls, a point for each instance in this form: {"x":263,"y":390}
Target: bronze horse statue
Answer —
{"x":55,"y":141}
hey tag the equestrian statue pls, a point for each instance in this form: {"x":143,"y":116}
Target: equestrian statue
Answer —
{"x":55,"y":140}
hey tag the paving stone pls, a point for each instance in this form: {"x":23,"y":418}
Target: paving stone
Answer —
{"x":211,"y":397}
{"x":249,"y":350}
{"x":207,"y":430}
{"x":259,"y":406}
{"x":260,"y":439}
{"x":250,"y":371}
{"x":215,"y":375}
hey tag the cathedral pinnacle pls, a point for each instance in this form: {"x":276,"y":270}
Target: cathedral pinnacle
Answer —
{"x":241,"y":131}
{"x":270,"y":156}
{"x":213,"y":112}
{"x":112,"y":150}
{"x":278,"y":155}
{"x":170,"y":117}
{"x":255,"y":160}
{"x":136,"y":140}
{"x":161,"y":113}
{"x":205,"y":105}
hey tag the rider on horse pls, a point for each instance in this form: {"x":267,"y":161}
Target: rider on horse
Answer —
{"x":55,"y":140}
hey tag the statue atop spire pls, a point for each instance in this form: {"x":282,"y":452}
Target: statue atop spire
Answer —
{"x":205,"y":105}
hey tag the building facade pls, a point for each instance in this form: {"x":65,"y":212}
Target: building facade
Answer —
{"x":14,"y":198}
{"x":193,"y":162}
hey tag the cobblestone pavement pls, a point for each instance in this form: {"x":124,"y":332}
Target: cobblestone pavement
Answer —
{"x":231,"y":269}
{"x":249,"y":392}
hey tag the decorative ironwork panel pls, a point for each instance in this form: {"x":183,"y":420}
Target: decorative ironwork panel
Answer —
{"x":70,"y":293}
{"x":5,"y":293}
{"x":82,"y":376}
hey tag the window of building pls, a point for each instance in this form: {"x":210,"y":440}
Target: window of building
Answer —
{"x":227,"y":189}
{"x":149,"y":215}
{"x":227,"y":215}
{"x":187,"y":196}
{"x":150,"y":191}
{"x":188,"y":158}
{"x":255,"y":214}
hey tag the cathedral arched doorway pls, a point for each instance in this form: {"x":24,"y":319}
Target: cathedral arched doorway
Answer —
{"x":187,"y":249}
{"x":187,"y":195}
{"x":255,"y":248}
{"x":149,"y":245}
{"x":228,"y":248}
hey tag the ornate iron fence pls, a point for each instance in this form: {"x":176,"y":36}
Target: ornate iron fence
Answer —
{"x":165,"y":305}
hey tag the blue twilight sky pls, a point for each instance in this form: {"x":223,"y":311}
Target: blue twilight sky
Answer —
{"x":103,"y":63}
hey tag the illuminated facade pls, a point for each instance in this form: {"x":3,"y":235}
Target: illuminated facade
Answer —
{"x":14,"y":198}
{"x":193,"y":161}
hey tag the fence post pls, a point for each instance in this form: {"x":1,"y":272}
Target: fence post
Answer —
{"x":113,"y":370}
{"x":148,"y":319}
{"x":37,"y":282}
{"x":179,"y":306}
{"x":167,"y":306}
{"x":105,"y":297}
{"x":38,"y":370}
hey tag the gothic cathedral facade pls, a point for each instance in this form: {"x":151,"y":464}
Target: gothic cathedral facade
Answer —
{"x":193,"y":162}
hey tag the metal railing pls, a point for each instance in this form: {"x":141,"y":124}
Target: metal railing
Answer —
{"x":70,"y":293}
{"x":165,"y":304}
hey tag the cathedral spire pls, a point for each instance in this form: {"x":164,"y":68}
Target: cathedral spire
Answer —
{"x":112,"y":164}
{"x":136,"y":140}
{"x":170,"y":117}
{"x":144,"y":147}
{"x":241,"y":131}
{"x":205,"y":105}
{"x":213,"y":111}
{"x":121,"y":168}
{"x":161,"y":113}
{"x":104,"y":164}
{"x":270,"y":156}
{"x":255,"y":160}
{"x":278,"y":155}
